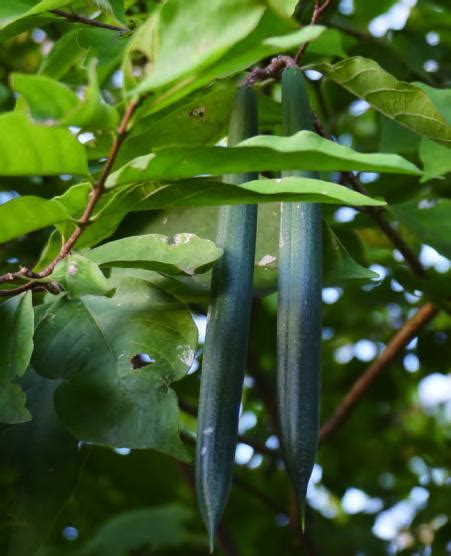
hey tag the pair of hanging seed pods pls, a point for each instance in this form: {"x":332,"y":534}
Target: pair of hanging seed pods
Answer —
{"x":298,"y":323}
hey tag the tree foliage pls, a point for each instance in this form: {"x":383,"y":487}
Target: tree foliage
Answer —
{"x":113,"y":116}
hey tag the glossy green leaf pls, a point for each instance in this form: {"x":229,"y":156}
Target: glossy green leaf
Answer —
{"x":199,"y":192}
{"x":48,"y":99}
{"x":22,"y":215}
{"x":200,"y":118}
{"x":180,"y":254}
{"x":12,"y":10}
{"x":44,"y":464}
{"x":28,"y":149}
{"x":118,"y":8}
{"x":153,"y":527}
{"x":270,"y":37}
{"x":303,"y":151}
{"x":93,"y":112}
{"x":330,"y":44}
{"x":110,"y":395}
{"x":65,"y":52}
{"x":441,"y":98}
{"x":429,"y":221}
{"x":403,"y":102}
{"x":80,"y":276}
{"x":436,"y":159}
{"x":12,"y":404}
{"x":16,"y":335}
{"x":339,"y":266}
{"x":209,"y":31}
{"x":56,"y":104}
{"x":16,"y":347}
{"x":284,"y":8}
{"x":101,"y":44}
{"x":204,"y":192}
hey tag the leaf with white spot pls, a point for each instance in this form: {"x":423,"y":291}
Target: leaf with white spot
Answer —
{"x":117,"y":358}
{"x":180,"y":254}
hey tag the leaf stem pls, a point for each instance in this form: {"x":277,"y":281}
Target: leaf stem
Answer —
{"x":377,"y":214}
{"x":320,"y":8}
{"x":78,"y":18}
{"x":277,"y":64}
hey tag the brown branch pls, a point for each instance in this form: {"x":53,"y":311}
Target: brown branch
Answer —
{"x":320,"y":8}
{"x":408,"y":331}
{"x":277,"y":64}
{"x":271,"y":71}
{"x":77,"y":18}
{"x":83,"y":222}
{"x":377,"y":214}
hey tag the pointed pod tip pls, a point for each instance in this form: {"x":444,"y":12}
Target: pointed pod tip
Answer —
{"x":211,"y":536}
{"x":302,"y":515}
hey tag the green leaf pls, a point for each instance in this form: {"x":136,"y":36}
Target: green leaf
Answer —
{"x":339,"y":266}
{"x":12,"y":404}
{"x":429,"y":221}
{"x":16,"y":335}
{"x":56,"y":104}
{"x":65,"y":52}
{"x":94,"y":344}
{"x":26,"y":214}
{"x":181,"y":254}
{"x":114,"y":204}
{"x":28,"y":149}
{"x":304,"y":150}
{"x":403,"y":102}
{"x":330,"y":44}
{"x":40,"y":467}
{"x":103,"y":45}
{"x":16,"y":347}
{"x":153,"y":528}
{"x":118,"y":9}
{"x":436,"y":159}
{"x":270,"y":37}
{"x":93,"y":112}
{"x":47,"y":98}
{"x":80,"y":276}
{"x":12,"y":10}
{"x":441,"y":99}
{"x":284,"y":8}
{"x":200,"y":118}
{"x":204,"y":192}
{"x":209,"y":30}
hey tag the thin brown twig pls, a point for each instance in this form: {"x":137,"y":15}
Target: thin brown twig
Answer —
{"x":78,"y":18}
{"x":83,"y":222}
{"x":319,"y":9}
{"x":408,"y":331}
{"x":271,"y":71}
{"x":377,"y":214}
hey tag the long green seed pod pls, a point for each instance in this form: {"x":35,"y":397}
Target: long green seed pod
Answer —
{"x":299,"y":309}
{"x":227,"y":336}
